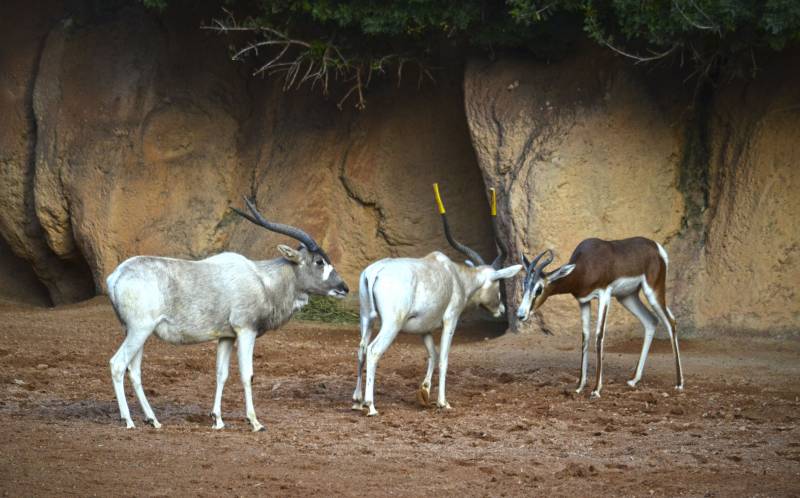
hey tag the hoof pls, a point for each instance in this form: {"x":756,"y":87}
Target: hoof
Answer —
{"x":445,"y":406}
{"x":372,"y":411}
{"x":259,"y":428}
{"x":423,"y":396}
{"x":357,"y":407}
{"x":679,"y":388}
{"x":632,"y":382}
{"x":128,"y":423}
{"x":579,"y":390}
{"x":153,"y":423}
{"x":594,"y":395}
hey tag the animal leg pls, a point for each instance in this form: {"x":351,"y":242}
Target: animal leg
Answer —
{"x":448,"y":328}
{"x":366,"y":334}
{"x":134,"y":340}
{"x":135,"y":376}
{"x":604,"y":303}
{"x":586,"y":322}
{"x":246,"y":342}
{"x":224,"y":348}
{"x":659,"y":305}
{"x":375,"y":350}
{"x":424,"y":393}
{"x":633,"y":304}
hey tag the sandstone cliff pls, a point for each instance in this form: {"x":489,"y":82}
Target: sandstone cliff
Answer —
{"x":124,"y":133}
{"x":592,"y":146}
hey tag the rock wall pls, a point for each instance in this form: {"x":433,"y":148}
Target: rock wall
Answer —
{"x":126,"y":134}
{"x":591,"y":146}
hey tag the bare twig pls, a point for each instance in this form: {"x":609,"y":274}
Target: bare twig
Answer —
{"x":639,"y":58}
{"x":300,"y":61}
{"x":712,"y":27}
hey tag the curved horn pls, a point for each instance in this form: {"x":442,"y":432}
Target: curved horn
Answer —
{"x":469,"y":253}
{"x":502,"y":250}
{"x":531,"y":266}
{"x":546,"y":261}
{"x":293,"y":232}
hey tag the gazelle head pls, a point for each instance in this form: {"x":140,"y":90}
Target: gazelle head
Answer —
{"x":488,"y":295}
{"x":537,"y":280}
{"x":313,"y":268}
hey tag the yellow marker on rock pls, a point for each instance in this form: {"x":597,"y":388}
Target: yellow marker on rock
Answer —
{"x":438,"y":198}
{"x":493,"y":201}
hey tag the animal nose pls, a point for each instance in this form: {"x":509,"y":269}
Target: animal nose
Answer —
{"x":522,"y":315}
{"x":343,"y":287}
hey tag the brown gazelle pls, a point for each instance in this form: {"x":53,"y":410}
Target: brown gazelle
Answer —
{"x":599,"y":269}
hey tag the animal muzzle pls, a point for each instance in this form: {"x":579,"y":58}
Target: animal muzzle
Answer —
{"x":340,"y":291}
{"x":522,"y":314}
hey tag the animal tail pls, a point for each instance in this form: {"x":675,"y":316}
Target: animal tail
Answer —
{"x":111,"y":285}
{"x":366,"y":294}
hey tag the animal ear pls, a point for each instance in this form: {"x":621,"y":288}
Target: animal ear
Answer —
{"x":560,"y":273}
{"x":506,"y":272}
{"x":292,"y":255}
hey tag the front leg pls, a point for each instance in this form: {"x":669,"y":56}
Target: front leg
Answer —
{"x":586,"y":322}
{"x":448,"y":329}
{"x":246,"y":343}
{"x":603,"y":306}
{"x":224,"y":348}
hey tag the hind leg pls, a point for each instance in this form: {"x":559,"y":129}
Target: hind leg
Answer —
{"x":424,"y":393}
{"x":135,"y":376}
{"x":224,"y":348}
{"x":375,"y":350}
{"x":134,"y":340}
{"x":658,"y":302}
{"x":633,"y":304}
{"x":366,"y":334}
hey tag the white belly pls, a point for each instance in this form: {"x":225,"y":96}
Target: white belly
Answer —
{"x":623,"y":286}
{"x":175,"y":335}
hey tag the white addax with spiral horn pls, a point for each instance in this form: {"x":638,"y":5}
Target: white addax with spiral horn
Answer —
{"x":599,"y":269}
{"x":223,"y":298}
{"x":418,"y":296}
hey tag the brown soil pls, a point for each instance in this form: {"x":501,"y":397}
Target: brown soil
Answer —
{"x":516,"y":428}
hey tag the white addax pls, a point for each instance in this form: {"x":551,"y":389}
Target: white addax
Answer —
{"x":417,"y":296}
{"x":223,"y":298}
{"x":600,"y":269}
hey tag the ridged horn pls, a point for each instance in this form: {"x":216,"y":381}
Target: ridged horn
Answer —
{"x":471,"y":254}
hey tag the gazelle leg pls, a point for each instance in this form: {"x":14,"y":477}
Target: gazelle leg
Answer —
{"x":375,"y":350}
{"x":604,"y":303}
{"x":448,"y":329}
{"x":135,"y":376}
{"x":424,"y":393}
{"x":366,"y":333}
{"x":658,"y":303}
{"x":586,"y":322}
{"x":633,"y":304}
{"x":246,"y":340}
{"x":134,"y":340}
{"x":224,"y":348}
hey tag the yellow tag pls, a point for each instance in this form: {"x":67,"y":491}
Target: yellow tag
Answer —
{"x":438,"y":198}
{"x":494,"y":201}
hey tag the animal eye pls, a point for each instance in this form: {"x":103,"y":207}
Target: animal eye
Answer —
{"x":320,"y":262}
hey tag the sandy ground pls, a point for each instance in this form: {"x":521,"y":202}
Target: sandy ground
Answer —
{"x":516,"y":427}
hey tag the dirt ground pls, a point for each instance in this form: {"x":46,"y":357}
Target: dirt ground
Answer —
{"x":516,"y":427}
